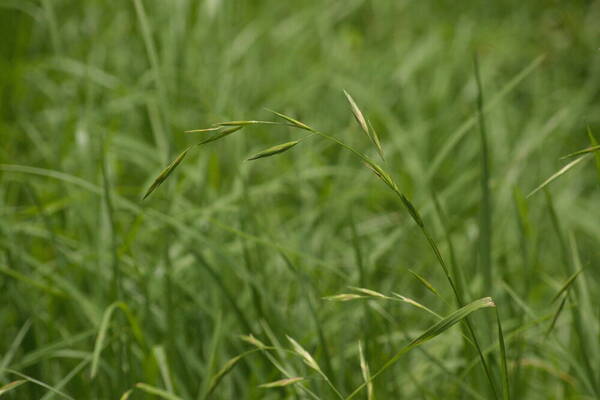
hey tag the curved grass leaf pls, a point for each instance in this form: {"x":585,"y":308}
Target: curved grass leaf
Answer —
{"x":229,"y":365}
{"x":166,"y":172}
{"x":40,"y":383}
{"x":435,"y":330}
{"x":271,"y":151}
{"x":366,"y":372}
{"x":10,"y":386}
{"x":560,"y":172}
{"x":504,"y":369}
{"x":103,"y":329}
{"x":163,"y":394}
{"x":594,"y":142}
{"x":583,"y":151}
{"x":567,"y":284}
{"x":556,"y":315}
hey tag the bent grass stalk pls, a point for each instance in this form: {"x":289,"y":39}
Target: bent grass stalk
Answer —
{"x":381,"y":174}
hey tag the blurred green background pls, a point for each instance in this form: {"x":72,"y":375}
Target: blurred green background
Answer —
{"x":95,"y":96}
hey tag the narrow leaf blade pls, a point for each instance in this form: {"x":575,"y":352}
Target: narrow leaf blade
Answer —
{"x":12,"y":385}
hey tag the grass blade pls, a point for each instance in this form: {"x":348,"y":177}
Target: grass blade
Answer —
{"x":452,"y":319}
{"x":227,"y":367}
{"x":431,"y":333}
{"x":271,"y":151}
{"x":560,"y":172}
{"x":103,"y":329}
{"x":504,"y":368}
{"x":40,"y":383}
{"x":583,"y":151}
{"x":594,"y":142}
{"x":12,"y":385}
{"x":485,"y":216}
{"x":366,"y":372}
{"x":163,"y":394}
{"x":556,"y":315}
{"x":567,"y":284}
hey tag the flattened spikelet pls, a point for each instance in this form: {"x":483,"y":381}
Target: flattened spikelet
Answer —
{"x":344,"y":297}
{"x":281,"y":382}
{"x":271,"y":151}
{"x":306,"y":357}
{"x":166,"y":172}
{"x":358,"y":115}
{"x":221,"y":135}
{"x":291,"y":120}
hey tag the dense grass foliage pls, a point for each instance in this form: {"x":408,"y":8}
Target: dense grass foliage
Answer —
{"x":302,"y":270}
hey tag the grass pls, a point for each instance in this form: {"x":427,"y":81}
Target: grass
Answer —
{"x":300,"y":274}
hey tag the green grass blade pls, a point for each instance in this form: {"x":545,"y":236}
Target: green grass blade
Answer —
{"x":163,"y":394}
{"x":556,"y":175}
{"x":103,"y":329}
{"x":485,"y":217}
{"x":590,"y":149}
{"x":503,"y":362}
{"x":40,"y":383}
{"x":366,"y":372}
{"x":432,"y":332}
{"x":11,"y":386}
{"x":594,"y":142}
{"x":556,"y":315}
{"x":567,"y":284}
{"x":226,"y":369}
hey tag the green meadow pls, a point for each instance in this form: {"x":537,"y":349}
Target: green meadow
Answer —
{"x":335,"y":199}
